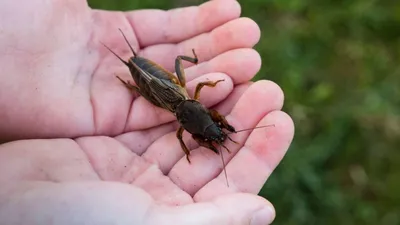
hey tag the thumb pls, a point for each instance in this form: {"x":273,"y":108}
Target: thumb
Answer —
{"x":232,"y":209}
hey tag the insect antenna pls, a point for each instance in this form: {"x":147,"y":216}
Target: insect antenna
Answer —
{"x":130,"y":46}
{"x":271,"y":125}
{"x":223,"y":162}
{"x":246,"y":130}
{"x":125,"y":62}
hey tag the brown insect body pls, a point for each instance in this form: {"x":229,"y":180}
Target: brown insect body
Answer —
{"x":205,"y":125}
{"x":167,"y":91}
{"x":202,"y":126}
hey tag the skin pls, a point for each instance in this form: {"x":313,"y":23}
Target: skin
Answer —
{"x":79,"y":148}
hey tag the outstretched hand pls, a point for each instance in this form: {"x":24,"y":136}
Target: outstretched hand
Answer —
{"x":110,"y":155}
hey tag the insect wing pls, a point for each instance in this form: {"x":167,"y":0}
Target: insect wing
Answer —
{"x":147,"y":76}
{"x":166,"y":93}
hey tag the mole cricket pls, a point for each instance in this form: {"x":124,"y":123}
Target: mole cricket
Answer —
{"x":163,"y":89}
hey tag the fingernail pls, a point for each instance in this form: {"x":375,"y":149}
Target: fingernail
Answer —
{"x":263,"y":216}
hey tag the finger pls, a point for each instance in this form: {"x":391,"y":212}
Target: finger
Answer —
{"x":256,"y":160}
{"x":140,"y":140}
{"x":238,"y":33}
{"x":227,"y":105}
{"x":240,"y":64}
{"x":181,"y":23}
{"x":225,"y":210}
{"x":111,"y":160}
{"x":261,"y":98}
{"x":114,"y":162}
{"x":144,"y":115}
{"x":161,"y":188}
{"x":167,"y":150}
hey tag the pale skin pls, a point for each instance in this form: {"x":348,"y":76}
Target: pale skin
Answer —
{"x":85,"y":150}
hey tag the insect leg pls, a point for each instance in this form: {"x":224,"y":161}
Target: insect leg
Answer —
{"x":220,"y":119}
{"x":179,"y":67}
{"x":179,"y":133}
{"x":201,"y":85}
{"x":129,"y":85}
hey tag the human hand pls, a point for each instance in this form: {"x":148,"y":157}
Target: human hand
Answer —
{"x":58,"y":80}
{"x":121,"y":179}
{"x":98,"y":180}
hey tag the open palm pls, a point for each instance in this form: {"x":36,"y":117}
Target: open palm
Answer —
{"x":59,"y":82}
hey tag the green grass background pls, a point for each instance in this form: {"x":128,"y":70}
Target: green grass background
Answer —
{"x":338,"y":64}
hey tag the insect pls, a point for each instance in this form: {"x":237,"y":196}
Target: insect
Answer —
{"x":165,"y":90}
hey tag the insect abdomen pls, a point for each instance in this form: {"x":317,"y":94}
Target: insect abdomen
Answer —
{"x":152,"y":68}
{"x":167,"y":94}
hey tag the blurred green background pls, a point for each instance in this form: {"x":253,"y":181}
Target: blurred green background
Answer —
{"x":338,"y":64}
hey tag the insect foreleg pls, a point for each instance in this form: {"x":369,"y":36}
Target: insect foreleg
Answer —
{"x":179,"y":67}
{"x":201,"y":85}
{"x":218,"y":118}
{"x":206,"y":144}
